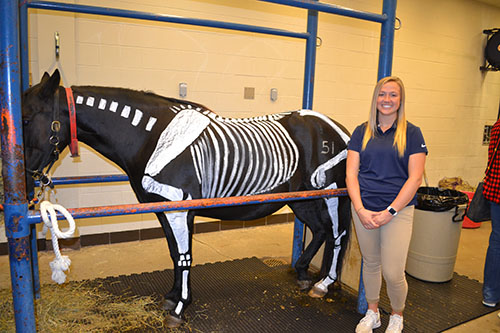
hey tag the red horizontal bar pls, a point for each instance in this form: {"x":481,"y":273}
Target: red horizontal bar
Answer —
{"x":152,"y":207}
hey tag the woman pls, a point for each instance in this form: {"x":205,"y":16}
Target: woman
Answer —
{"x":385,"y":163}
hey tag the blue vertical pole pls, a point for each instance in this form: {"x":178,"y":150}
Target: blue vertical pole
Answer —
{"x":35,"y":271}
{"x":310,"y":61}
{"x":15,"y":207}
{"x":387,"y":39}
{"x":307,"y":103}
{"x":23,"y":35}
{"x":298,"y":241}
{"x":384,"y":69}
{"x":362,"y":303}
{"x":23,"y":31}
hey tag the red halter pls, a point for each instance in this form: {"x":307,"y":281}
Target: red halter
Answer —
{"x":73,"y":146}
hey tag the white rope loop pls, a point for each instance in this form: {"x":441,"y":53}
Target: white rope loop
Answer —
{"x":61,"y":263}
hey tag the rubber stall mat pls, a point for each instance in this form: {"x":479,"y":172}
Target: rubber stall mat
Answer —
{"x":249,"y":296}
{"x":434,"y":307}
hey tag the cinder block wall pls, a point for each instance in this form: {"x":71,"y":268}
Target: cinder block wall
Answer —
{"x":436,"y":53}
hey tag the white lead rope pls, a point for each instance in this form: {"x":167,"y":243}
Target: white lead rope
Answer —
{"x":60,"y":263}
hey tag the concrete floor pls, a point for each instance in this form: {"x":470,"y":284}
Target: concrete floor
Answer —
{"x":267,"y":241}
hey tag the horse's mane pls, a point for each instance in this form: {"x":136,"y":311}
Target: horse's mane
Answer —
{"x":141,"y":95}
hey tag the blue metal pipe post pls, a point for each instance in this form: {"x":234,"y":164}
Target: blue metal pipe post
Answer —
{"x":387,"y":39}
{"x":15,"y":206}
{"x":307,"y":103}
{"x":23,"y":35}
{"x":384,"y":69}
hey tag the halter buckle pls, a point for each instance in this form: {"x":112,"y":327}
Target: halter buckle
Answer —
{"x":55,"y":126}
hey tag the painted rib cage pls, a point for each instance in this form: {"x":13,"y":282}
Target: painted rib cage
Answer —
{"x":235,"y":157}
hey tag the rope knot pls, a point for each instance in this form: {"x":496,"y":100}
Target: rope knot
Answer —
{"x":60,"y":263}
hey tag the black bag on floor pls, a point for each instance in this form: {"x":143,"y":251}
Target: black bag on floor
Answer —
{"x":479,"y":207}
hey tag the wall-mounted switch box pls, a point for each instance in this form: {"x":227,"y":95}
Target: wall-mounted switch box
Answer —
{"x":274,"y":94}
{"x":183,"y":88}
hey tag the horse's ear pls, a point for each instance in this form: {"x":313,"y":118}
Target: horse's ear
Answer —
{"x":50,"y":84}
{"x":45,"y":77}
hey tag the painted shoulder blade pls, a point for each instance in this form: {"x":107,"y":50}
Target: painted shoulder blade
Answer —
{"x":179,"y":134}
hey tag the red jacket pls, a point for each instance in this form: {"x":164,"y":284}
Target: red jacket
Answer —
{"x":492,"y":181}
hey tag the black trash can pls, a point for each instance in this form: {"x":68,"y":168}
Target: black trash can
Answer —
{"x":437,"y":225}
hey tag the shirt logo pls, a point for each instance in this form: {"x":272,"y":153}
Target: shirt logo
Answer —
{"x":423,"y":145}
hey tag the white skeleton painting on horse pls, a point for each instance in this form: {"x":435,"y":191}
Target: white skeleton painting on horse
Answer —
{"x":174,"y":149}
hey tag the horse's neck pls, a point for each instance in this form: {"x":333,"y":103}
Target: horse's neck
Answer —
{"x":115,"y":123}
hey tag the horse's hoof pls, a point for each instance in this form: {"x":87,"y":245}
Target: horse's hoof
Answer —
{"x":316,"y":292}
{"x":172,"y":321}
{"x":304,"y":284}
{"x":168,"y":304}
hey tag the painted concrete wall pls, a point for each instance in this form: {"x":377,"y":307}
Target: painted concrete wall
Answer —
{"x":436,"y":53}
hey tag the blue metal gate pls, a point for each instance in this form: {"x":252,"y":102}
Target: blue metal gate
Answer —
{"x":14,"y":73}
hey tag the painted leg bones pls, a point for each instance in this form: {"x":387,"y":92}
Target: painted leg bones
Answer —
{"x":178,"y":224}
{"x":321,"y":287}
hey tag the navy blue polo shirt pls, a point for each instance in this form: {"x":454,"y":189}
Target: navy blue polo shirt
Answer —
{"x":382,"y":172}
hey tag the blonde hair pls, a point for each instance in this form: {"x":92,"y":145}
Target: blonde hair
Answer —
{"x":371,"y":126}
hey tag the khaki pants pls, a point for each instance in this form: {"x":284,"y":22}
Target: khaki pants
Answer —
{"x":384,"y":252}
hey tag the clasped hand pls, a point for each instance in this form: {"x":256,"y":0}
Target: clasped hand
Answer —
{"x":374,"y":220}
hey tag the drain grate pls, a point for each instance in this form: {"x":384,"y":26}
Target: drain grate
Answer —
{"x":273,"y":262}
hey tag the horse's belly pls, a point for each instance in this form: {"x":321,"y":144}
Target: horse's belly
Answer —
{"x":241,"y":213}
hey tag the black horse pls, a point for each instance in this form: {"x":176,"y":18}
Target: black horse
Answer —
{"x":178,"y":150}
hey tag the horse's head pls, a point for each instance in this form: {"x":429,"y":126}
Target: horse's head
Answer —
{"x":45,"y":128}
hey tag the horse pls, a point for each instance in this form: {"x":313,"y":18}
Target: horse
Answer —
{"x":175,"y":149}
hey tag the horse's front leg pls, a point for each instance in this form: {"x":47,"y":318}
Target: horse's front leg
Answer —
{"x":179,"y":226}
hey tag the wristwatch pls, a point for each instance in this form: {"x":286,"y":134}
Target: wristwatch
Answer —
{"x":392,"y":211}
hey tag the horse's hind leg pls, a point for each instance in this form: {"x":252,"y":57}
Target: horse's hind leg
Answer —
{"x":332,"y":259}
{"x":310,"y":213}
{"x":322,"y":217}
